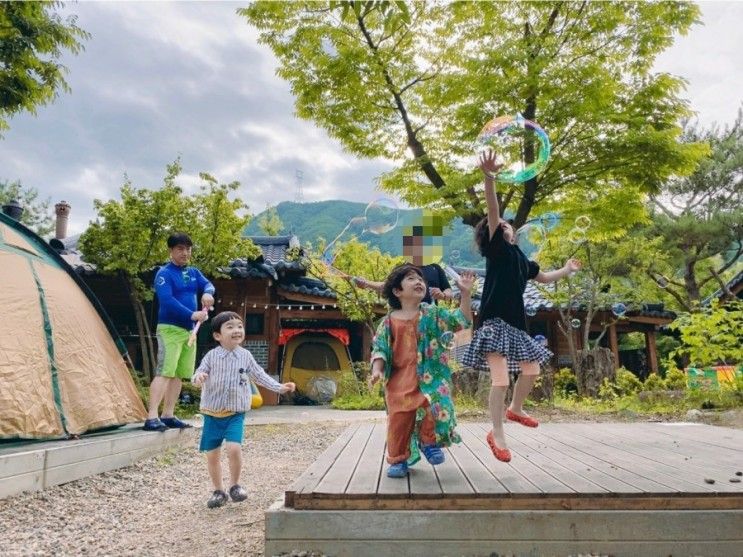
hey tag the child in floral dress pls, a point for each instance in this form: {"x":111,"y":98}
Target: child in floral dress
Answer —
{"x":410,"y":352}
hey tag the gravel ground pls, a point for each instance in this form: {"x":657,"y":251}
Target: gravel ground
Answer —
{"x":158,"y":506}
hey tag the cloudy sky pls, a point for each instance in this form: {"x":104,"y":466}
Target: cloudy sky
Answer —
{"x":158,"y":80}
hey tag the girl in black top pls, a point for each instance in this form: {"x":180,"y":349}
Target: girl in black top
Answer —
{"x":500,"y":341}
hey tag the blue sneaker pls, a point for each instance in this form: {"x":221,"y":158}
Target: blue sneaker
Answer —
{"x":175,"y":423}
{"x":433,"y":453}
{"x":399,"y":470}
{"x":154,"y":424}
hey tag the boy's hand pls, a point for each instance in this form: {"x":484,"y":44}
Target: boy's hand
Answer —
{"x":573,"y":265}
{"x":488,"y":165}
{"x":466,"y":281}
{"x":375,"y":377}
{"x":288,"y":387}
{"x":199,"y":378}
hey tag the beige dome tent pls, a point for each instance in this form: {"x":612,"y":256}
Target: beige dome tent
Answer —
{"x":61,"y":371}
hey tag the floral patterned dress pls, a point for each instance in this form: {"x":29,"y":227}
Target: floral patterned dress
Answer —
{"x":434,"y":374}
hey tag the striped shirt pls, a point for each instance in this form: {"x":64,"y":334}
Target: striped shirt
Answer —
{"x":227,"y":388}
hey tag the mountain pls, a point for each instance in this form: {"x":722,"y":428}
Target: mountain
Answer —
{"x":326,"y":219}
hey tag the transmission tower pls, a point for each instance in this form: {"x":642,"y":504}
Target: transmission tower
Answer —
{"x":298,"y":195}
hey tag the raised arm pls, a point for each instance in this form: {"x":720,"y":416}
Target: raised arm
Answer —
{"x":490,"y":168}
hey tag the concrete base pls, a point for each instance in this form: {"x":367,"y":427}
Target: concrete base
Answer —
{"x":486,"y":533}
{"x":36,"y":466}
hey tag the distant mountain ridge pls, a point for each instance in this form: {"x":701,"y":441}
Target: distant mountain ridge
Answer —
{"x":326,"y":219}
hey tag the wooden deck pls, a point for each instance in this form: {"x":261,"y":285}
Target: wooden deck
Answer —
{"x":623,"y":489}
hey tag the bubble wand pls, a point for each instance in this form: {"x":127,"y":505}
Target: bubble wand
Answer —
{"x":195,"y":330}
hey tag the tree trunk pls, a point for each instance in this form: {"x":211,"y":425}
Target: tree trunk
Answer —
{"x":143,"y":332}
{"x":593,"y":366}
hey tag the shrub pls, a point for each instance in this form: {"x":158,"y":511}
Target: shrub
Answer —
{"x":627,"y":383}
{"x":565,"y":382}
{"x":654,"y":382}
{"x":675,"y":379}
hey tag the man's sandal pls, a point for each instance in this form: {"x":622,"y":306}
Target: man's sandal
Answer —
{"x":528,"y":421}
{"x":504,"y":455}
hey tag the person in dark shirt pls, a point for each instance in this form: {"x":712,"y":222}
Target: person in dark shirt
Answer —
{"x":435,"y":277}
{"x":500,"y":342}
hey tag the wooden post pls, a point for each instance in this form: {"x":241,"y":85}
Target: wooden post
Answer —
{"x":614,"y":343}
{"x":651,"y":350}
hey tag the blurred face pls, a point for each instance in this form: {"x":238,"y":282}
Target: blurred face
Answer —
{"x":412,"y":288}
{"x":412,"y":249}
{"x":509,"y":235}
{"x":231,"y":335}
{"x":180,"y":255}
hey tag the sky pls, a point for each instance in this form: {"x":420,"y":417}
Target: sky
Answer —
{"x":161,"y":80}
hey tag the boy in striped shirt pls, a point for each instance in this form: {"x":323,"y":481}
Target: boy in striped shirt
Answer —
{"x":225,"y":373}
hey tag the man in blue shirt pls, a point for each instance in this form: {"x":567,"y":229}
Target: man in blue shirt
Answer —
{"x":177,"y":287}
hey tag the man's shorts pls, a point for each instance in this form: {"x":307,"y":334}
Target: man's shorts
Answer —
{"x":175,"y":358}
{"x":216,"y":430}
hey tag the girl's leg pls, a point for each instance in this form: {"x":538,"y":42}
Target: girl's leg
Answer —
{"x":498,"y":385}
{"x":215,"y":467}
{"x":525,"y":382}
{"x":235,"y":459}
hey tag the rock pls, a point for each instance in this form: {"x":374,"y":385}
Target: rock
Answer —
{"x":735,"y":480}
{"x":709,"y":480}
{"x":694,"y":415}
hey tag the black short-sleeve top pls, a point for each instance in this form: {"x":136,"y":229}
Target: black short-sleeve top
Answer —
{"x":507,"y":270}
{"x":436,"y":277}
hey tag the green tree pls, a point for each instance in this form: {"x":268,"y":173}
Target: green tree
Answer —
{"x":128,"y":237}
{"x":32,"y":38}
{"x":700,"y":218}
{"x":423,"y":77}
{"x":352,"y":258}
{"x":611,"y":283}
{"x":36,"y":213}
{"x":269,"y":222}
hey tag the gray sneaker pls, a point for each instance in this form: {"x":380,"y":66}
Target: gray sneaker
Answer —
{"x":238,"y":493}
{"x":217,"y":499}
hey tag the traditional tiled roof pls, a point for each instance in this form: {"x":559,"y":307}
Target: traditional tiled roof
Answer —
{"x":309,"y":287}
{"x":731,"y":285}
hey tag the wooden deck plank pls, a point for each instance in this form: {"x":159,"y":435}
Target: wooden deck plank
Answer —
{"x":508,"y":476}
{"x":544,"y":481}
{"x":651,"y":469}
{"x":595,"y":474}
{"x":690,"y":456}
{"x":423,"y":481}
{"x":723,"y":437}
{"x":451,"y":477}
{"x":678,"y":435}
{"x":478,"y":475}
{"x":365,"y":478}
{"x":584,"y":453}
{"x":312,"y":476}
{"x":339,"y":474}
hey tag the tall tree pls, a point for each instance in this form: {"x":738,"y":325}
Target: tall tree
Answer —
{"x":423,"y":77}
{"x":700,"y":217}
{"x":128,"y":237}
{"x":36,"y":213}
{"x":32,"y":39}
{"x":270,"y":222}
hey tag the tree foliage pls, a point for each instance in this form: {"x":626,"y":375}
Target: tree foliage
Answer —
{"x":711,"y":336}
{"x":269,"y":221}
{"x":32,"y":39}
{"x":414,"y":82}
{"x":36,"y":213}
{"x":700,"y":217}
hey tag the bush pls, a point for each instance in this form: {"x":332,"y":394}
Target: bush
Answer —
{"x":627,"y":383}
{"x":565,"y":382}
{"x":654,"y":382}
{"x":355,"y":393}
{"x":675,"y":379}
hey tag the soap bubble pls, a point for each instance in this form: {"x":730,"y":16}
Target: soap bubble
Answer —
{"x":583,"y":222}
{"x":447,"y":340}
{"x":575,"y":323}
{"x":619,"y":309}
{"x":381,"y":215}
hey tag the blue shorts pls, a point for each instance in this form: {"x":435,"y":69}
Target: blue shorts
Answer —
{"x":216,"y":430}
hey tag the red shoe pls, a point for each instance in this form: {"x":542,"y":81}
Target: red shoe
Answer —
{"x":504,"y":455}
{"x":528,"y":421}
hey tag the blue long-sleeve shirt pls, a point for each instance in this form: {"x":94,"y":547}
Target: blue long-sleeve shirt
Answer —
{"x":178,"y":290}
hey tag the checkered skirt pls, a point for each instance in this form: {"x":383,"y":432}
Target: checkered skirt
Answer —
{"x":495,"y":335}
